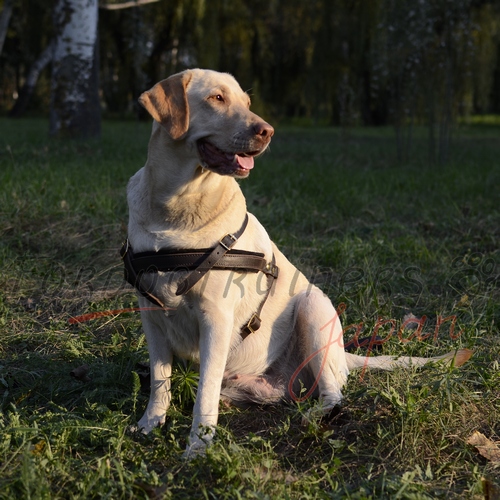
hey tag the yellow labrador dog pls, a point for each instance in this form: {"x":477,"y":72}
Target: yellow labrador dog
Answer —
{"x":213,"y":287}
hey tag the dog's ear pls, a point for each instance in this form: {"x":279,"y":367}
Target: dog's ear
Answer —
{"x":167,"y":103}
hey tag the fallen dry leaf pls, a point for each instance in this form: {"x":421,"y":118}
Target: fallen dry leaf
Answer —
{"x":487,"y":448}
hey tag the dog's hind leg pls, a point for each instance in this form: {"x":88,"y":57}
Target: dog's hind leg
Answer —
{"x":324,"y":368}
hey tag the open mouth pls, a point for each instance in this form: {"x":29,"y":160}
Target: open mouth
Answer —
{"x":224,"y":163}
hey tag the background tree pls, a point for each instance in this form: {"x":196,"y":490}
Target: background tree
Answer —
{"x":75,"y":108}
{"x":340,"y":62}
{"x":5,"y":15}
{"x":423,"y":54}
{"x":32,"y":76}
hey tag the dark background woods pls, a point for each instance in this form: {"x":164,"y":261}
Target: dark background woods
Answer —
{"x":342,"y":62}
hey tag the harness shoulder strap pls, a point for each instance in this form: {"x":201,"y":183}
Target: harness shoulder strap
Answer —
{"x":225,"y":244}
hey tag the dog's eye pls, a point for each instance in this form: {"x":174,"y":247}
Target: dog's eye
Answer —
{"x":218,"y":97}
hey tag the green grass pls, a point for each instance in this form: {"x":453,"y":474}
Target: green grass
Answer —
{"x":385,"y":239}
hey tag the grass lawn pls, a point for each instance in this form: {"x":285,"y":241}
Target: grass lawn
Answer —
{"x":385,"y":239}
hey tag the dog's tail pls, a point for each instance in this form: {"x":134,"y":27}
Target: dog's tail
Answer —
{"x":458,"y":358}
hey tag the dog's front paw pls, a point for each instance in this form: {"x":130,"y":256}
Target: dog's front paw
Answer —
{"x":146,"y":424}
{"x":195,"y":449}
{"x":198,"y":442}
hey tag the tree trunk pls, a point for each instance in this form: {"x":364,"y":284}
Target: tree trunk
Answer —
{"x":126,"y":5}
{"x":74,"y":107}
{"x":29,"y":86}
{"x":4,"y":20}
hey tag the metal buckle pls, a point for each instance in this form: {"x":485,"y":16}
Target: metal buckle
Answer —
{"x":251,"y":320}
{"x":233,"y":238}
{"x":272,"y":269}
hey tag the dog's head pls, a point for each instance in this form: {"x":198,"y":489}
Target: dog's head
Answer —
{"x":210,"y":110}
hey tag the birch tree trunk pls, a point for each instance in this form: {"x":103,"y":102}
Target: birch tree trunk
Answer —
{"x":4,"y":20}
{"x":74,"y":104}
{"x":31,"y":80}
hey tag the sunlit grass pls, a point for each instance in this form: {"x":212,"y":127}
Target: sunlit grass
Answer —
{"x":482,"y":120}
{"x":385,"y":239}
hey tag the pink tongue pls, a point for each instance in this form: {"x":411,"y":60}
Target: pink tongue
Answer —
{"x":245,"y":162}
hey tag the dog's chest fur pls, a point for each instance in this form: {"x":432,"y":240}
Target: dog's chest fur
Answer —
{"x":185,"y":315}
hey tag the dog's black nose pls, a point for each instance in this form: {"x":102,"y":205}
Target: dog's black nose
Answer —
{"x":264,"y":130}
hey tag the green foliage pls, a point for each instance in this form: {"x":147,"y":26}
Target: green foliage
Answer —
{"x":325,"y":61}
{"x":384,"y":237}
{"x":184,"y":384}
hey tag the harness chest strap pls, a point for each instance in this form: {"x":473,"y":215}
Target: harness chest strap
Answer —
{"x":254,"y":322}
{"x":199,"y":262}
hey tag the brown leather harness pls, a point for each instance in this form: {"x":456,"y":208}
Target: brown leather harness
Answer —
{"x":197,"y":263}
